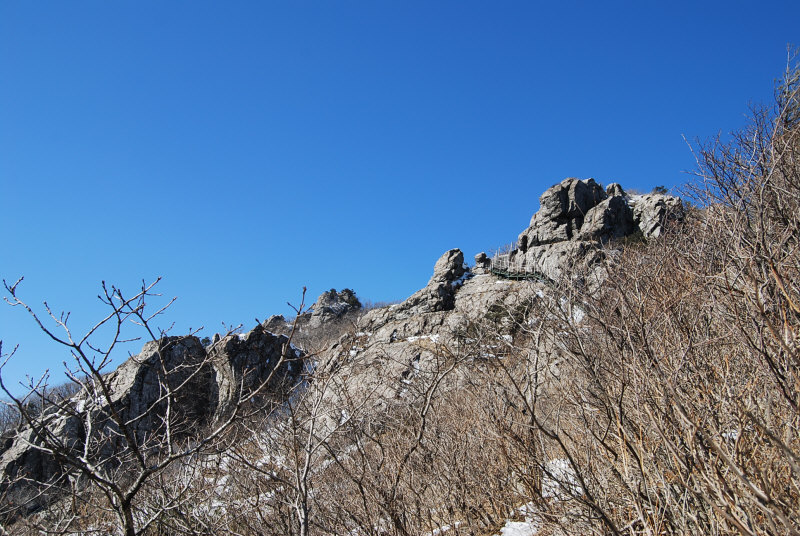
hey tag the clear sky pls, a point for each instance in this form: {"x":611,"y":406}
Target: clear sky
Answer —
{"x":242,"y":150}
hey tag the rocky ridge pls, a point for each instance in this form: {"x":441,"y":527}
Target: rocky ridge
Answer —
{"x":207,"y":382}
{"x":575,"y":225}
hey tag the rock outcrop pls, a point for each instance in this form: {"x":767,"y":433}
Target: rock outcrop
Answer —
{"x":243,"y":363}
{"x":609,"y":219}
{"x":577,"y":215}
{"x":206,"y":387}
{"x":390,"y":349}
{"x":449,"y":273}
{"x":395,"y":346}
{"x":652,"y":212}
{"x":563,"y":208}
{"x":331,"y":305}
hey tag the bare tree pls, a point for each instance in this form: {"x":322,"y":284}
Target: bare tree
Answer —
{"x":104,"y":443}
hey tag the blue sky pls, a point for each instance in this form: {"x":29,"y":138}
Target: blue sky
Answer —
{"x":242,"y":150}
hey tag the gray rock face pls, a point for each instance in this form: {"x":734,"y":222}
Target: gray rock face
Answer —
{"x":652,"y":212}
{"x":577,"y":215}
{"x":333,"y":304}
{"x":205,"y":385}
{"x":562,"y":259}
{"x":614,"y":190}
{"x":482,"y":263}
{"x":562,"y":210}
{"x":137,"y":384}
{"x":275,"y":324}
{"x":449,"y":273}
{"x":330,"y":305}
{"x":611,"y":218}
{"x":137,"y":390}
{"x":396,"y":346}
{"x":242,"y":363}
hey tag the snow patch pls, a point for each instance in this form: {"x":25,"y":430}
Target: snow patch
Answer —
{"x":731,"y":435}
{"x":443,"y":529}
{"x":560,"y":481}
{"x":519,"y":528}
{"x":460,"y":281}
{"x":527,"y":527}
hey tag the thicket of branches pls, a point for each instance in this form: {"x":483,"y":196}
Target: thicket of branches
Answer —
{"x":680,"y":388}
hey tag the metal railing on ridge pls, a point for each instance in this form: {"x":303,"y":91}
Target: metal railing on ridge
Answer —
{"x":502,"y":264}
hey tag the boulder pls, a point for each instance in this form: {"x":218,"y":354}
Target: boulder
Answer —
{"x":652,"y":212}
{"x":609,"y":219}
{"x":450,"y":267}
{"x":482,"y":263}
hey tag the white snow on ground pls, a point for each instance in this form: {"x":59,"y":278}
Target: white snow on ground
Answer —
{"x":460,"y":281}
{"x":731,"y":435}
{"x":527,"y":527}
{"x":559,"y":480}
{"x":441,"y":530}
{"x":519,"y":528}
{"x":576,"y":312}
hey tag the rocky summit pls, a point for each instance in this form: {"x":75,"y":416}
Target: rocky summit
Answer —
{"x":576,"y":216}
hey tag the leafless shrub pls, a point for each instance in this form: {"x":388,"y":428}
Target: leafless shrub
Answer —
{"x":137,"y":467}
{"x":677,"y":390}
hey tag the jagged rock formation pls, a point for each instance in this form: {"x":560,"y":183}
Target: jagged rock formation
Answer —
{"x":439,"y":294}
{"x":276,"y":324}
{"x":575,"y":219}
{"x":242,"y":363}
{"x":395,"y":346}
{"x":206,"y":384}
{"x":390,"y":347}
{"x":331,"y":305}
{"x":575,"y":216}
{"x":563,"y":208}
{"x":652,"y":211}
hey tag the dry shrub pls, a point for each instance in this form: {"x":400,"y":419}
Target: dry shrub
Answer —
{"x":679,"y":389}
